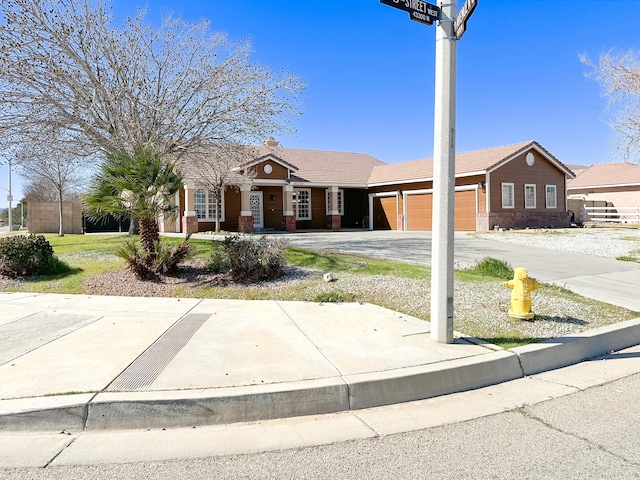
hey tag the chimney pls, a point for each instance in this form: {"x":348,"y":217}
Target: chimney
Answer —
{"x":271,"y":142}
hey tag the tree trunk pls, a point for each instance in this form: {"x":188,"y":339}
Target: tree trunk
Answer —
{"x":133,"y":221}
{"x":61,"y":226}
{"x":218,"y":202}
{"x":149,"y":234}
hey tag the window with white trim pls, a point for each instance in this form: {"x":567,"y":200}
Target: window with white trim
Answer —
{"x":204,"y":203}
{"x":302,"y":203}
{"x":551,"y":196}
{"x":507,"y":195}
{"x":529,"y":195}
{"x":340,"y":201}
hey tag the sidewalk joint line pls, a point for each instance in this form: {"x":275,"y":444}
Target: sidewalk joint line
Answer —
{"x":309,"y":339}
{"x":520,"y":364}
{"x":48,"y":342}
{"x":46,"y":465}
{"x":366,"y":424}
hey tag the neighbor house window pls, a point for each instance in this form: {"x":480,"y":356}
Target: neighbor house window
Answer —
{"x":204,"y":203}
{"x":507,"y":195}
{"x":529,"y":196}
{"x":302,"y":203}
{"x":340,"y":201}
{"x":551,"y":196}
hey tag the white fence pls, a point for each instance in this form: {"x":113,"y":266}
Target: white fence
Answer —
{"x":610,"y":214}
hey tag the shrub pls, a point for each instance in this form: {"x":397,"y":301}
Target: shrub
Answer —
{"x":26,"y":256}
{"x":218,"y":260}
{"x":334,"y":297}
{"x":492,"y":267}
{"x":168,"y":259}
{"x":56,"y":267}
{"x":249,"y":259}
{"x":163,"y":260}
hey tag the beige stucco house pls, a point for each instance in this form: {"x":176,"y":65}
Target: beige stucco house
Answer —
{"x":615,"y":185}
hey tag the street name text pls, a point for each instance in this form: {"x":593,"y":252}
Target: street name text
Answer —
{"x":419,"y":10}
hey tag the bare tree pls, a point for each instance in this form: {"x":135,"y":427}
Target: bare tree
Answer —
{"x":37,"y":190}
{"x":174,"y":89}
{"x":215,"y":168}
{"x":619,"y":76}
{"x":52,"y":169}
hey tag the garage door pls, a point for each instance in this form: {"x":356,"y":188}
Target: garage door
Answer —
{"x":465,"y":215}
{"x":384,"y":213}
{"x":419,"y":211}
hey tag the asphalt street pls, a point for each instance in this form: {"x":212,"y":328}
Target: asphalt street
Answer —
{"x":565,"y":438}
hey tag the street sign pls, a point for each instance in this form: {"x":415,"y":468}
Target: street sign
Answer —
{"x":460,"y":25}
{"x":419,"y":11}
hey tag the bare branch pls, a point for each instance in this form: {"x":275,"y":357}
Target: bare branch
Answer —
{"x":174,"y":88}
{"x":619,"y":77}
{"x":215,"y":168}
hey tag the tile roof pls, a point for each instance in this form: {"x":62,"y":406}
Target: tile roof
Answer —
{"x":479,"y":161}
{"x":323,"y":167}
{"x":607,"y":174}
{"x":577,"y":168}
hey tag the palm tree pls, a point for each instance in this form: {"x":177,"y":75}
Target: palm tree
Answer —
{"x":141,"y":186}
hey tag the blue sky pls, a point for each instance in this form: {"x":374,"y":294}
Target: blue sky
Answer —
{"x":369,"y":71}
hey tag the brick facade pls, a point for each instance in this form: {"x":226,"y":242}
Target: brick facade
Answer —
{"x":488,"y":221}
{"x":245,"y":224}
{"x":290,"y":223}
{"x":190,"y":224}
{"x":336,"y":223}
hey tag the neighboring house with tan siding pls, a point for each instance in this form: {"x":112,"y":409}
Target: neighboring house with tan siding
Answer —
{"x":512,"y":186}
{"x":616,"y":183}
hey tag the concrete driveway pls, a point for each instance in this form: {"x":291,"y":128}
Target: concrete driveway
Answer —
{"x":603,"y":279}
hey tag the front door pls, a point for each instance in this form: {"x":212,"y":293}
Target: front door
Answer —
{"x":255,"y":204}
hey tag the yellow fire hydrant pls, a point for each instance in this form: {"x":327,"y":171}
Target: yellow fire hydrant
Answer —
{"x":521,"y":287}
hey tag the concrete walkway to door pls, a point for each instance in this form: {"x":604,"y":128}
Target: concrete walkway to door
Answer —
{"x":600,"y":278}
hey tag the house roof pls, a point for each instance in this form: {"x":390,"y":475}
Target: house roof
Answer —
{"x":467,"y":163}
{"x":577,"y":169}
{"x":604,"y":175}
{"x":322,"y":167}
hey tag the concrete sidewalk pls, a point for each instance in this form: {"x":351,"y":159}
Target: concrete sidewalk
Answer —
{"x":74,"y":362}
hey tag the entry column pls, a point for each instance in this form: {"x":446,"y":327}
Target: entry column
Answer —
{"x":189,"y":220}
{"x":287,"y":208}
{"x":334,"y":210}
{"x":245,"y":220}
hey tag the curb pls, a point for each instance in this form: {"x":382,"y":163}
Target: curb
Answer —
{"x":417,"y":383}
{"x":570,"y":349}
{"x":187,"y":408}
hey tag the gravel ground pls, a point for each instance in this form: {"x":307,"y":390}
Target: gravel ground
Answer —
{"x":480,"y":307}
{"x":601,"y":242}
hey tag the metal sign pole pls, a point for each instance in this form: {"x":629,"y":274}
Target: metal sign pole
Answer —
{"x":444,"y":177}
{"x":450,"y":29}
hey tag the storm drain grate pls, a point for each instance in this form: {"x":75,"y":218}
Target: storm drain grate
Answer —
{"x":151,"y":363}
